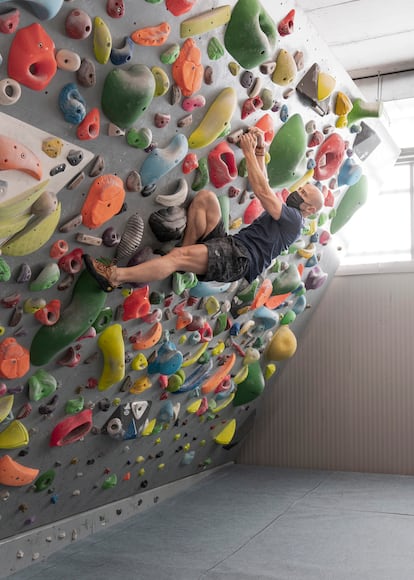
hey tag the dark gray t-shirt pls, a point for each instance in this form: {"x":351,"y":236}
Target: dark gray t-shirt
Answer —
{"x":266,"y":238}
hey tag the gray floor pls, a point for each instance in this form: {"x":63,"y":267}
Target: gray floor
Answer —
{"x":256,"y":523}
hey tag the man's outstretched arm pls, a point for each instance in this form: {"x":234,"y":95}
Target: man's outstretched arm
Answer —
{"x":256,"y":169}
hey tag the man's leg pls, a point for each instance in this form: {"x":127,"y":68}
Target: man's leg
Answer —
{"x":203,"y":215}
{"x":192,"y":258}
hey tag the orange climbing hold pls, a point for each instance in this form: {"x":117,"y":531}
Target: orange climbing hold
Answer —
{"x":104,"y":200}
{"x":179,"y":7}
{"x":14,"y":359}
{"x":262,"y":294}
{"x":187,"y":69}
{"x":152,"y":35}
{"x":216,"y":378}
{"x":15,"y":474}
{"x":266,"y":125}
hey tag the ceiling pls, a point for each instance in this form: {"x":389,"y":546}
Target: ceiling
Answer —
{"x":369,"y":37}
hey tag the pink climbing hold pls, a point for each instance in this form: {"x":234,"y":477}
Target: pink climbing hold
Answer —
{"x":222,"y":165}
{"x":253,"y":210}
{"x":250,"y":106}
{"x":9,"y":21}
{"x":115,"y":8}
{"x":286,"y":25}
{"x":191,"y":103}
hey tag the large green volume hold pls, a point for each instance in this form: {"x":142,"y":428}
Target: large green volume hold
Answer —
{"x":87,"y":302}
{"x":251,"y":34}
{"x":287,"y":153}
{"x":354,"y":197}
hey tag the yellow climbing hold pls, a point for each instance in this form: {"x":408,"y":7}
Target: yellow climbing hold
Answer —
{"x":282,"y":345}
{"x":224,"y":403}
{"x":149,"y":427}
{"x":219,"y":348}
{"x":14,"y":435}
{"x":205,"y":21}
{"x":212,"y":305}
{"x":326,"y":85}
{"x":286,"y":69}
{"x":194,"y":406}
{"x":140,"y":385}
{"x":162,"y":82}
{"x":191,"y":359}
{"x":19,"y":204}
{"x":33,"y":236}
{"x":111,"y":343}
{"x":307,"y":252}
{"x":226,"y":435}
{"x":302,"y":181}
{"x":216,"y":120}
{"x":241,"y":375}
{"x":139,"y":363}
{"x":343,"y":104}
{"x":102,"y":41}
{"x":6,"y":405}
{"x":269,"y":370}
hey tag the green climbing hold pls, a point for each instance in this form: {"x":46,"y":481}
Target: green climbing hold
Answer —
{"x":110,"y":481}
{"x":87,"y":302}
{"x":201,"y":175}
{"x":127,"y":94}
{"x":286,"y":281}
{"x":45,"y":480}
{"x":215,"y":49}
{"x":252,"y":387}
{"x":5,"y":272}
{"x":287,"y":153}
{"x":354,"y":197}
{"x":251,"y":34}
{"x":74,"y":406}
{"x":41,"y":385}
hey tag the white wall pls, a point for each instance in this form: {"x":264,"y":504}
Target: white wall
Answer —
{"x":346,"y":400}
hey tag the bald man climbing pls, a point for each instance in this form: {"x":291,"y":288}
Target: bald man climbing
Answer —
{"x":207,"y":250}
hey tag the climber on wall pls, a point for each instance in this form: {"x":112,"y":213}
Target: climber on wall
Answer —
{"x":207,"y":250}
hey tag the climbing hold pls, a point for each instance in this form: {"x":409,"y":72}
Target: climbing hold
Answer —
{"x":191,"y":103}
{"x":215,"y":49}
{"x":72,"y":104}
{"x":152,"y":35}
{"x":137,"y":304}
{"x":90,"y":126}
{"x":222,"y":165}
{"x":9,"y":20}
{"x":187,"y":69}
{"x":31,"y":59}
{"x":282,"y":345}
{"x":170,"y":55}
{"x":362,"y":109}
{"x":78,"y":24}
{"x":285,"y":71}
{"x":205,"y":21}
{"x":67,"y":60}
{"x":131,"y":237}
{"x":287,"y":153}
{"x":250,"y":36}
{"x":329,"y":157}
{"x":252,"y":386}
{"x":216,"y":119}
{"x":15,"y":155}
{"x":104,"y":200}
{"x":49,"y":314}
{"x":308,"y":88}
{"x":14,"y":435}
{"x":167,"y":360}
{"x":286,"y":25}
{"x":86,"y":303}
{"x":10,"y":91}
{"x":162,"y":82}
{"x":225,"y":436}
{"x":120,"y":56}
{"x":15,"y":474}
{"x":127,"y":93}
{"x":316,"y":278}
{"x":115,"y":8}
{"x":111,"y":343}
{"x":86,"y":74}
{"x":71,"y":429}
{"x":143,"y":340}
{"x":168,"y":223}
{"x":45,"y":480}
{"x":161,"y":120}
{"x":176,"y":198}
{"x":349,"y":173}
{"x":354,"y":197}
{"x":179,"y":7}
{"x":161,"y":161}
{"x":102,"y":41}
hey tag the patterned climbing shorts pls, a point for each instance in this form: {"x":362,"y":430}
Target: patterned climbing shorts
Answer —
{"x":227,"y":258}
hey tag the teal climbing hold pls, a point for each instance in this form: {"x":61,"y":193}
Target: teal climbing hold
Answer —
{"x":161,"y":160}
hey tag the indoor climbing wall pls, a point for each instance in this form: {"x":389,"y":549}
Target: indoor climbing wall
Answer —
{"x":113,"y":115}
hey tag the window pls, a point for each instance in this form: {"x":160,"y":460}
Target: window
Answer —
{"x":382,"y":231}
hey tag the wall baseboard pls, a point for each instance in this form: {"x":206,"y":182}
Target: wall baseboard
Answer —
{"x":23,"y":550}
